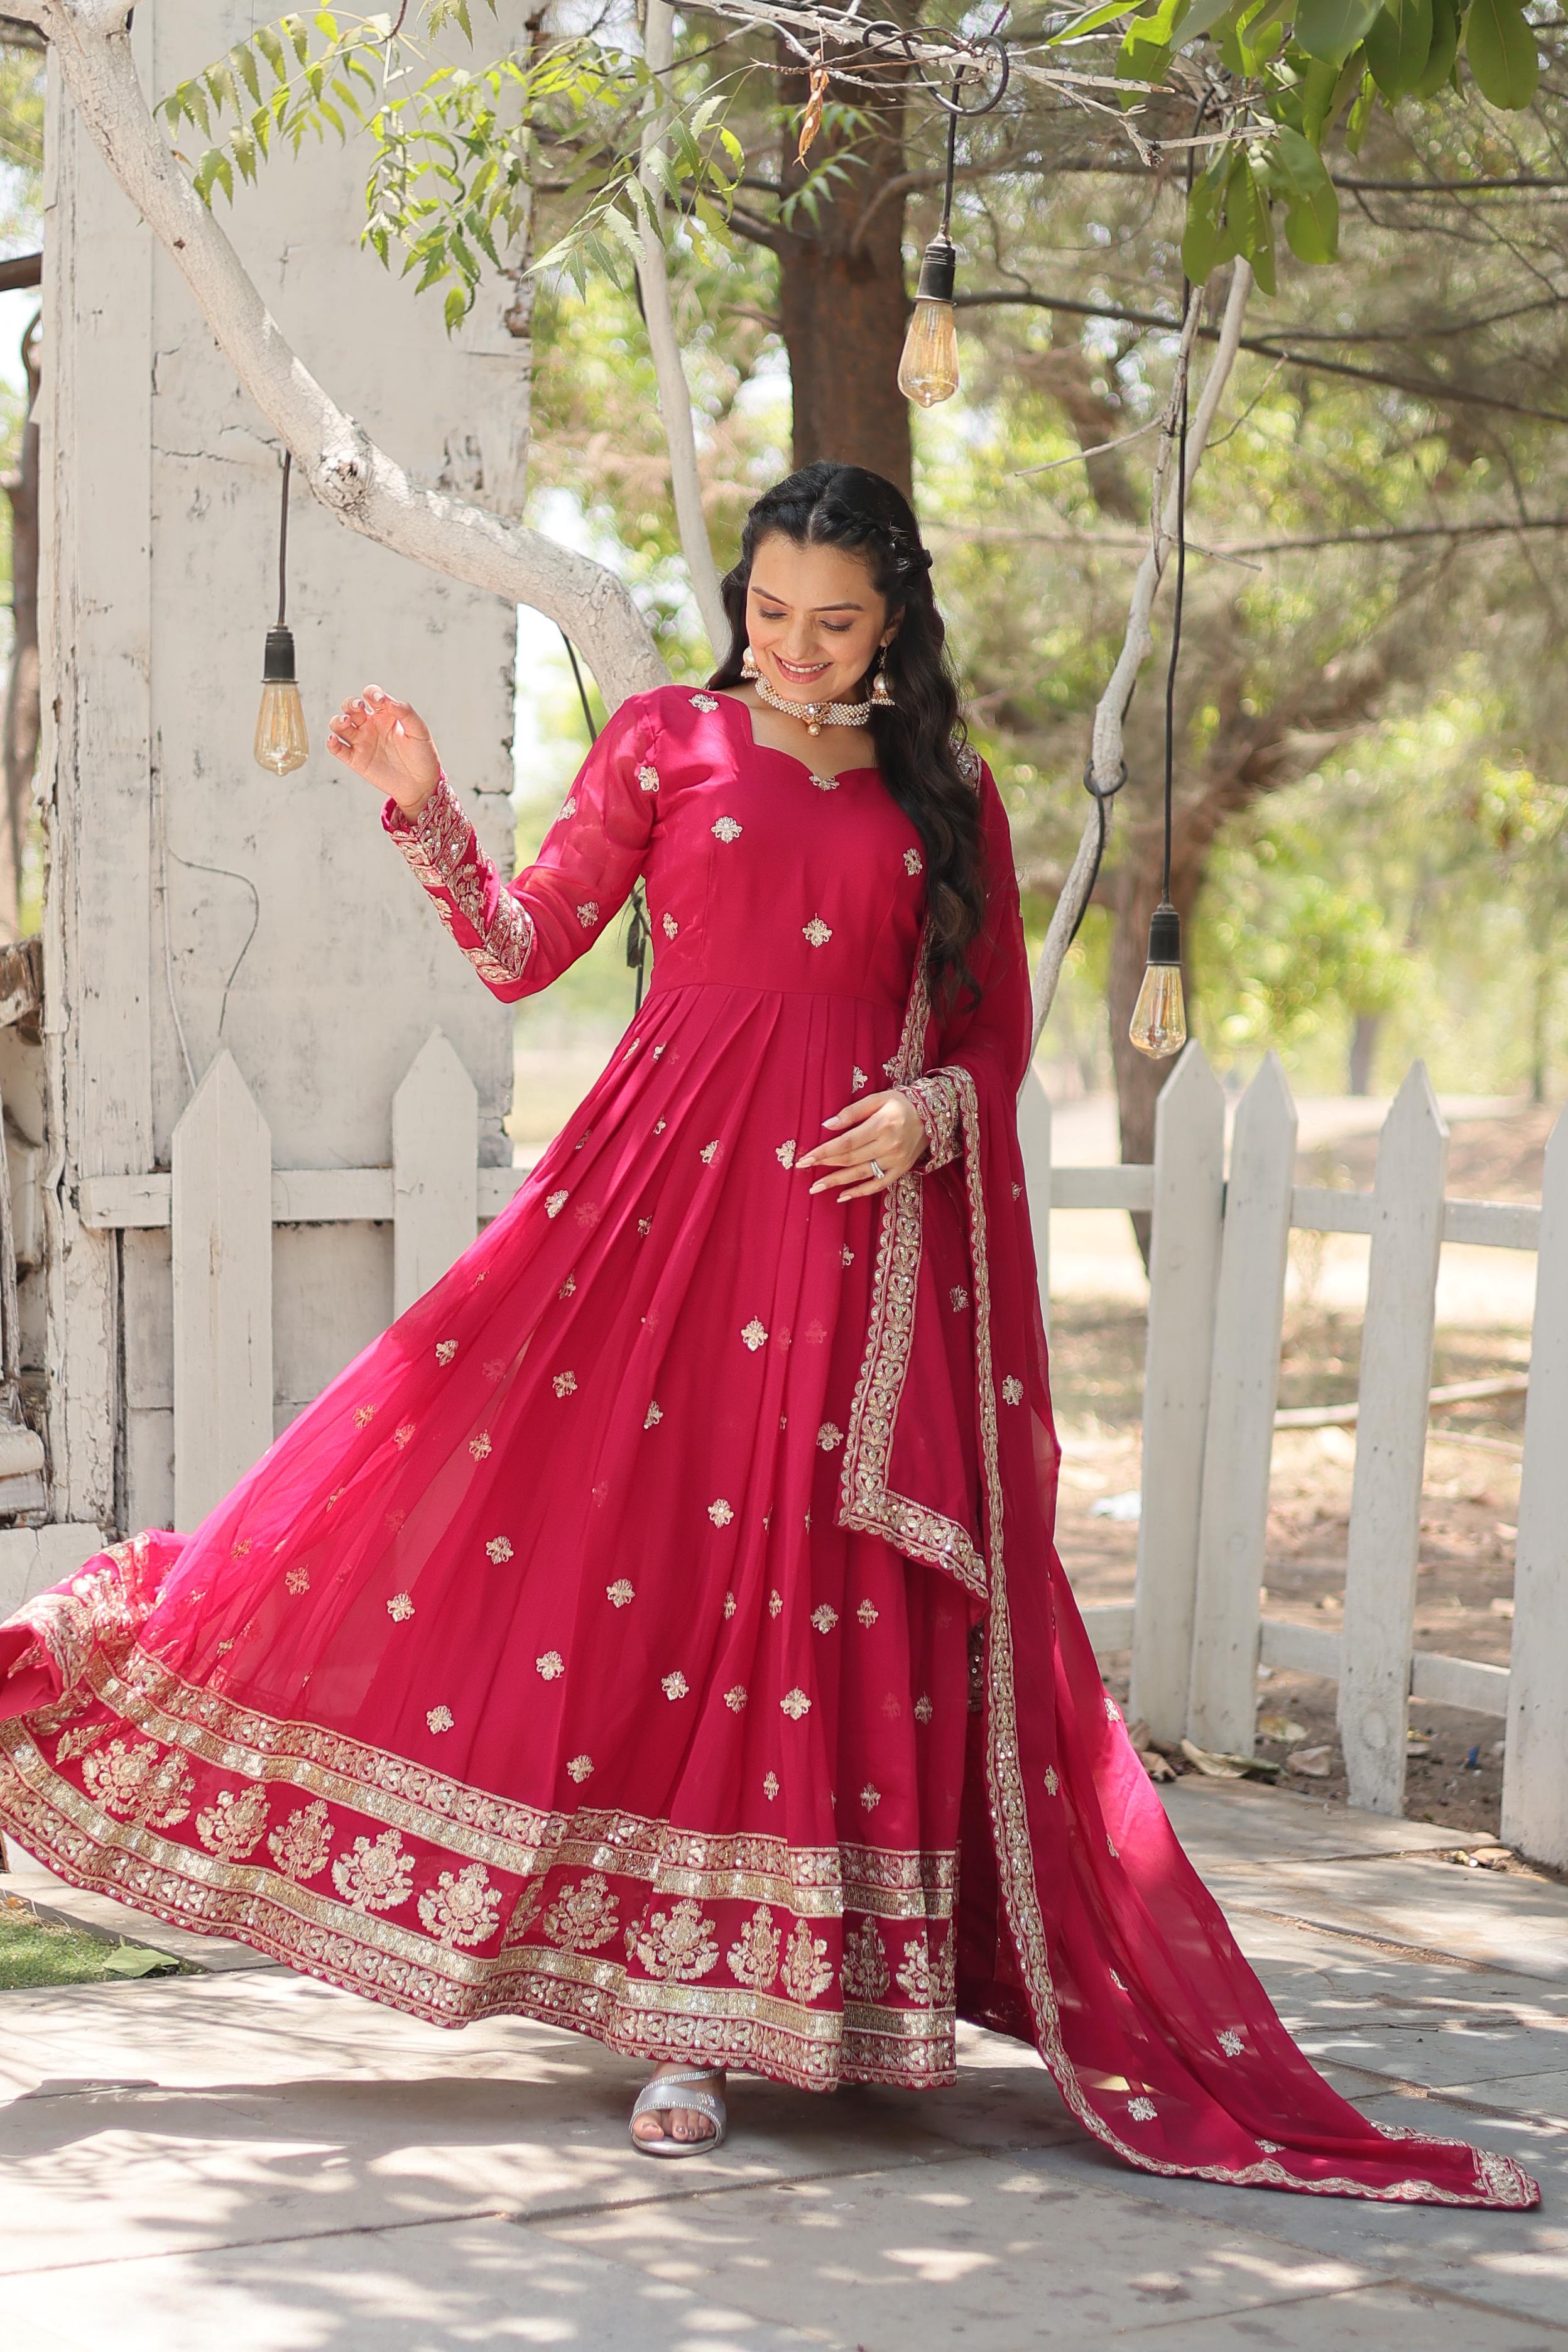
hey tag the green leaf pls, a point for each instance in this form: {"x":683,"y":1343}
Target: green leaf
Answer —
{"x":1312,"y":203}
{"x":1145,"y":50}
{"x":1247,"y":213}
{"x":1444,"y":47}
{"x":272,"y":49}
{"x":212,"y":168}
{"x":136,"y":1961}
{"x":456,"y":307}
{"x":1090,"y":21}
{"x":1331,"y":29}
{"x":1398,"y":44}
{"x":1361,"y":114}
{"x":1205,"y":241}
{"x":1500,"y":49}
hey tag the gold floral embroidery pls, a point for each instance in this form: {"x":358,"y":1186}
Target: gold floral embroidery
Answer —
{"x":439,"y":848}
{"x":654,"y":1414}
{"x":871,"y":1797}
{"x":440,"y":1718}
{"x":770,"y":1786}
{"x":566,"y":1384}
{"x":730,"y":1604}
{"x":670,"y":925}
{"x":830,"y":1435}
{"x":1011,"y":1391}
{"x":753,"y":1960}
{"x":1230,"y":2041}
{"x":298,"y":1581}
{"x":376,"y":1875}
{"x":825,"y":1618}
{"x":846,"y":1256}
{"x":479,"y":1446}
{"x":958,"y":1298}
{"x":233,"y":1825}
{"x":580,"y":1767}
{"x":499,"y":1549}
{"x":583,"y":1916}
{"x":754,"y":1334}
{"x":826,"y":784}
{"x":913,"y":861}
{"x":551,"y":1667}
{"x":363,"y":1415}
{"x":445,"y":1351}
{"x":675,"y":1685}
{"x":565,"y":1291}
{"x":555,"y":1201}
{"x":677,"y":1946}
{"x":462,"y":1909}
{"x":1141,"y":2110}
{"x":776,"y":1603}
{"x":923,"y":1709}
{"x":569,"y":807}
{"x":132,"y":1782}
{"x":588,"y":913}
{"x":927,"y":1982}
{"x":302,"y":1846}
{"x":816,"y":931}
{"x":648,"y":777}
{"x":703,"y":702}
{"x":805,"y":1973}
{"x":736,"y":1700}
{"x":1052,"y":1783}
{"x":404,"y":1434}
{"x":706,"y":1152}
{"x":726,"y":828}
{"x":400,"y":1608}
{"x":868,"y":1613}
{"x":857,"y":1078}
{"x":864,"y":1973}
{"x":620,"y":1594}
{"x":795,"y":1704}
{"x":785,"y":1153}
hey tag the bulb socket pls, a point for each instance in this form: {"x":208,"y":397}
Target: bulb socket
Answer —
{"x":939,"y":271}
{"x":277,"y":661}
{"x":1164,"y":934}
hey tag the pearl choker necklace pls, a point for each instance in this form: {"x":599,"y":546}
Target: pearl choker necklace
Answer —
{"x":816,"y":714}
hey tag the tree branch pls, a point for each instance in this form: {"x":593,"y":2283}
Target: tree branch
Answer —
{"x":674,"y":393}
{"x":343,"y":466}
{"x":1269,"y":347}
{"x":1105,"y":756}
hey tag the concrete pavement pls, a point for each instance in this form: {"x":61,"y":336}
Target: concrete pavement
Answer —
{"x":248,"y":2161}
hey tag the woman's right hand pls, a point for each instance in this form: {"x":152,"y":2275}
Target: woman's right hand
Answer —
{"x":387,"y":744}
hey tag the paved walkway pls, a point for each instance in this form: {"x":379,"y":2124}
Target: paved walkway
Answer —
{"x":247,"y":2161}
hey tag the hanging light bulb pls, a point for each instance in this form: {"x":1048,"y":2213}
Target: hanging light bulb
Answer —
{"x":928,"y":371}
{"x":282,"y":743}
{"x":1159,"y":1023}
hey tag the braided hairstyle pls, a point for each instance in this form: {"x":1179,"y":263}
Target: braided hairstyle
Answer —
{"x":919,"y":740}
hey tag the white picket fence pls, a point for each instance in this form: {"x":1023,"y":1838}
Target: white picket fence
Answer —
{"x":1218,"y":1259}
{"x":1219,"y":1253}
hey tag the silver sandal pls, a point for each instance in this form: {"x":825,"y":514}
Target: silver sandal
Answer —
{"x":668,"y":2091}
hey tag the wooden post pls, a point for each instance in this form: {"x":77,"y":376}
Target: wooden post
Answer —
{"x":1184,"y":1280}
{"x":222,"y":1251}
{"x":1034,"y":1136}
{"x":1239,"y":1440}
{"x":435,"y":1164}
{"x":1535,"y":1761}
{"x":1391,"y":1445}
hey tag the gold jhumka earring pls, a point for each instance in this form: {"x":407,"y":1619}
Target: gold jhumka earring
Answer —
{"x":748,"y":663}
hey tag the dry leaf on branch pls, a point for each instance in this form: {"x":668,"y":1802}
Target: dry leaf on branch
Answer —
{"x":811,"y":119}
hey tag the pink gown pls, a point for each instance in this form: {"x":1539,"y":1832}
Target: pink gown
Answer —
{"x":658,"y":1630}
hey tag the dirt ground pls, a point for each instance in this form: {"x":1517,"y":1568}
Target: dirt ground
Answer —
{"x":1470,"y":1501}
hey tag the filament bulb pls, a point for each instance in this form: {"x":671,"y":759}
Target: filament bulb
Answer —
{"x":1159,"y":1023}
{"x":928,"y":371}
{"x":282,"y":743}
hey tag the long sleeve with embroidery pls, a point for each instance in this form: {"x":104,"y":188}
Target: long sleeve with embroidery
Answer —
{"x":522,"y":935}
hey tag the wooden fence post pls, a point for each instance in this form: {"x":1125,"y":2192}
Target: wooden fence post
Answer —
{"x":1535,"y":1760}
{"x":1243,"y":1391}
{"x":1184,"y":1278}
{"x":221,"y":1210}
{"x":1034,"y":1136}
{"x":1391,"y":1445}
{"x":435,"y":1170}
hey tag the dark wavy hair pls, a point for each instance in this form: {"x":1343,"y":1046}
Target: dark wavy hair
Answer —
{"x":920,"y":741}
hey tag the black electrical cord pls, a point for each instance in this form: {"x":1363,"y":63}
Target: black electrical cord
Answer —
{"x":639,"y":930}
{"x":1177,"y":603}
{"x":283,"y":541}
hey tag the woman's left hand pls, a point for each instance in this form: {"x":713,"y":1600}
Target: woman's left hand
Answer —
{"x":885,"y":1128}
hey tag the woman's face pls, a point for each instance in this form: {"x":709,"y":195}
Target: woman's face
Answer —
{"x":815,"y":619}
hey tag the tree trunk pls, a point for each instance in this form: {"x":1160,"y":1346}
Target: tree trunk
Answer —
{"x":1540,"y":1025}
{"x":1363,"y":1051}
{"x":842,"y":302}
{"x":21,"y":713}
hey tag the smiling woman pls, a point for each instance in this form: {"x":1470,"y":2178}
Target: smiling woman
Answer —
{"x":658,"y":1630}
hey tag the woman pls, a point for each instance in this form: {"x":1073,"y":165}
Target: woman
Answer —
{"x":658,"y":1630}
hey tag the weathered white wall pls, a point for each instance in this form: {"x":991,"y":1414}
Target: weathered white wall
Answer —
{"x":163,"y":484}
